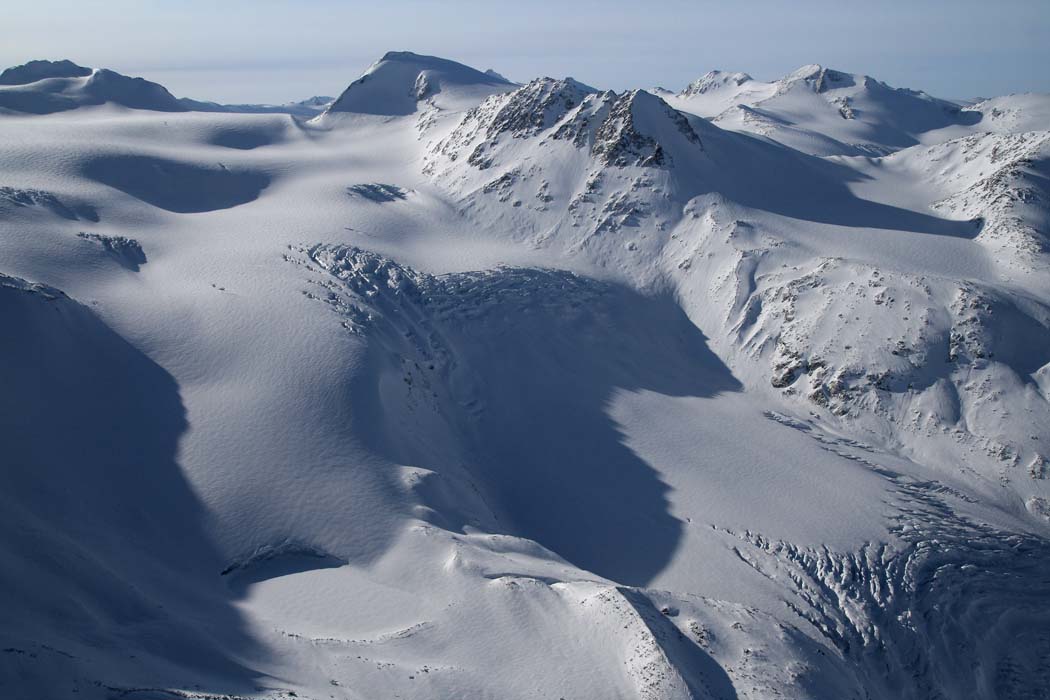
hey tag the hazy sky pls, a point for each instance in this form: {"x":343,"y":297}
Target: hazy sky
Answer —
{"x":270,"y":51}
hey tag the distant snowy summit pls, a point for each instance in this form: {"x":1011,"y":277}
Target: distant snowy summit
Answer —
{"x":396,"y":84}
{"x":42,"y":70}
{"x":46,"y":87}
{"x":393,"y":86}
{"x":822,"y":111}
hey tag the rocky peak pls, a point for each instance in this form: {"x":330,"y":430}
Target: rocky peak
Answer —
{"x":630,"y":135}
{"x":536,"y":106}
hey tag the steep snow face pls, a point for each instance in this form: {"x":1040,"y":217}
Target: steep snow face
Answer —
{"x":691,"y":412}
{"x":396,"y":84}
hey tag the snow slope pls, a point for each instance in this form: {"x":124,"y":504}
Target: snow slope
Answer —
{"x":464,"y":388}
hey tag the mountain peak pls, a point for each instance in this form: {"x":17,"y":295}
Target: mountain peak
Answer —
{"x":714,"y":80}
{"x":636,"y":130}
{"x":396,"y":83}
{"x":537,"y":105}
{"x":807,"y":71}
{"x":819,"y":78}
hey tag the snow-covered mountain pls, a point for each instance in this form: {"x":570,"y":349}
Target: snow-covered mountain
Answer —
{"x":46,"y":87}
{"x":465,"y":388}
{"x":828,"y":112}
{"x":396,"y":84}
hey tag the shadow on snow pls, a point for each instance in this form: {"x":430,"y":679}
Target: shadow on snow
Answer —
{"x":504,"y":378}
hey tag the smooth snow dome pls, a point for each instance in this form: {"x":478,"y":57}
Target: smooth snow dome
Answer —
{"x":42,"y":87}
{"x":45,"y":87}
{"x":453,"y":386}
{"x":40,"y":70}
{"x":400,"y":79}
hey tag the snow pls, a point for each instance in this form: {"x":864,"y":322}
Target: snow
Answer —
{"x":823,"y":111}
{"x":41,"y":70}
{"x":394,"y":84}
{"x":468,"y":388}
{"x":45,"y":87}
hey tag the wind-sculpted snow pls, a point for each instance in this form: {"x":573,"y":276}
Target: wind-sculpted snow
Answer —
{"x":176,"y":186}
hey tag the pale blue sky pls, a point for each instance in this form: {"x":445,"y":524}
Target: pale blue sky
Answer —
{"x":265,"y":50}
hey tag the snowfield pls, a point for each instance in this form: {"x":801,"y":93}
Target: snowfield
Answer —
{"x":455,"y":387}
